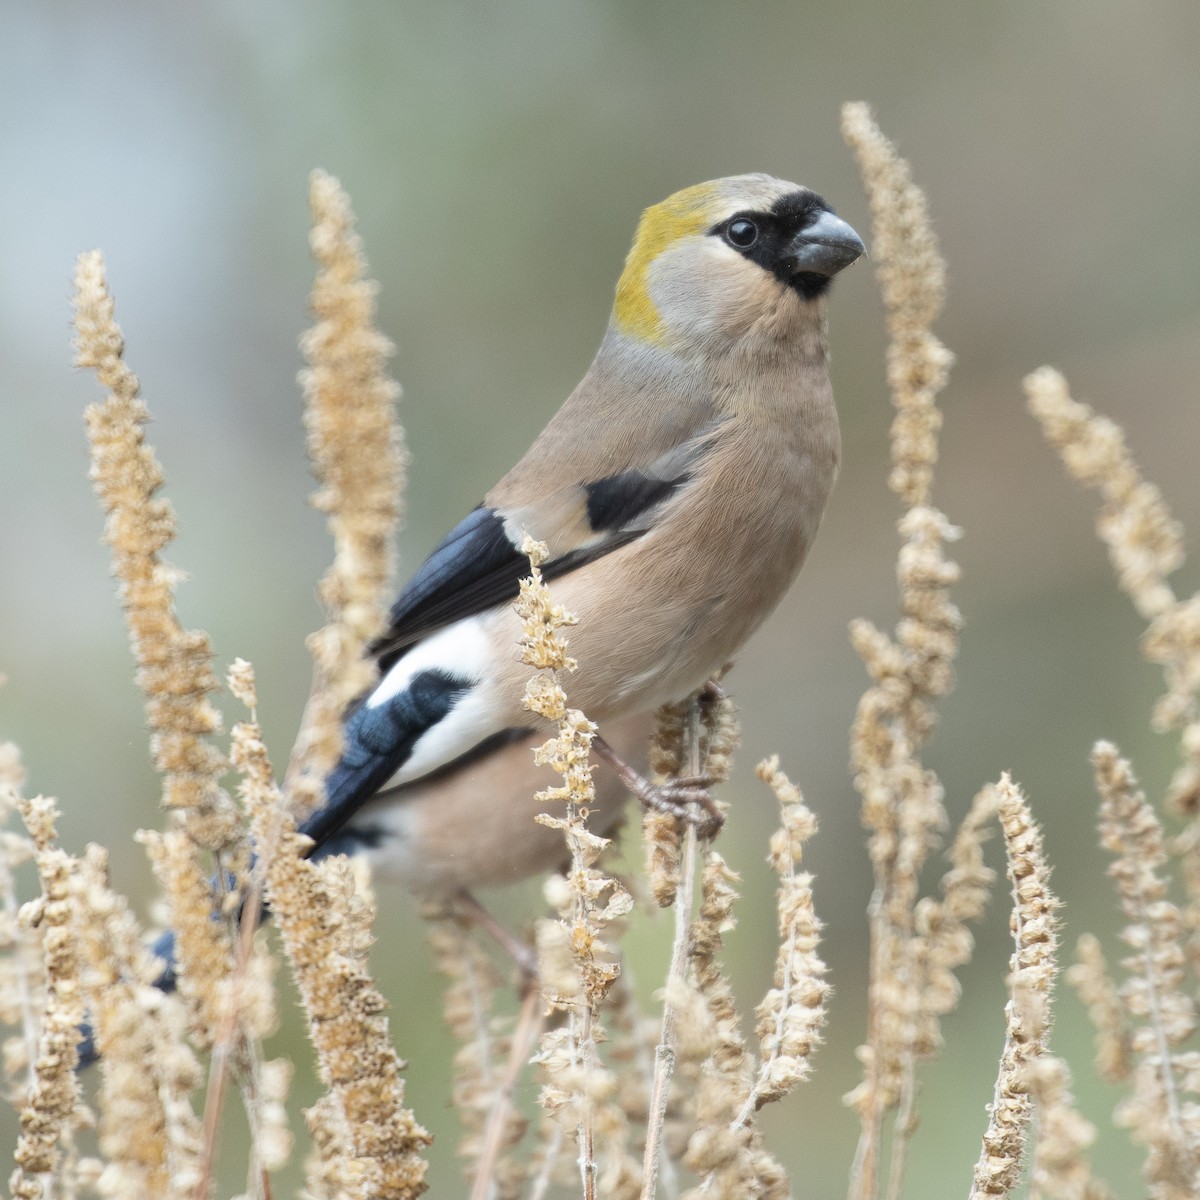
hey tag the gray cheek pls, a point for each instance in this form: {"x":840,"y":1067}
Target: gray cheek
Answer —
{"x":690,"y":286}
{"x":709,"y":295}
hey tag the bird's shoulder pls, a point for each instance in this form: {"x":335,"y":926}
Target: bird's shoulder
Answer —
{"x":480,"y":563}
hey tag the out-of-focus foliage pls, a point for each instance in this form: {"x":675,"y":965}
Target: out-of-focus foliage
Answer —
{"x":498,"y":157}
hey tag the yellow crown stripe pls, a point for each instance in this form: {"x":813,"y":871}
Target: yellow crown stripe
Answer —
{"x":684,"y":214}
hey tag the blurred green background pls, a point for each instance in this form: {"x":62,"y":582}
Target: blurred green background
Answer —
{"x":498,"y":157}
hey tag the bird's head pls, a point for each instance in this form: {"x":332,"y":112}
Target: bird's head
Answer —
{"x":714,"y":261}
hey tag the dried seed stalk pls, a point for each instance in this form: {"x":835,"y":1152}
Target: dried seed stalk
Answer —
{"x":22,"y":966}
{"x":54,"y":1101}
{"x":325,"y":929}
{"x":357,"y":451}
{"x":1031,"y":982}
{"x":175,"y":668}
{"x":576,"y":967}
{"x":902,"y":799}
{"x":672,"y":870}
{"x":1163,"y":1014}
{"x":792,"y":1014}
{"x":1145,"y":544}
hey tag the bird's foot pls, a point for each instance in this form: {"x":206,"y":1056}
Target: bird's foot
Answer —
{"x":686,"y":798}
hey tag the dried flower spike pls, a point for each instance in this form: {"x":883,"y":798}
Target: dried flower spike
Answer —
{"x":792,"y":1014}
{"x":358,"y":456}
{"x":576,"y":968}
{"x":902,"y":799}
{"x":54,"y":1102}
{"x":175,"y":668}
{"x":1031,"y":981}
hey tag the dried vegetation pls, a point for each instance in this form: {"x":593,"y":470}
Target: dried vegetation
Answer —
{"x":631,"y":1105}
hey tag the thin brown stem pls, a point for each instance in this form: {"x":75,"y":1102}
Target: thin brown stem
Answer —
{"x":522,"y":954}
{"x":224,"y":1045}
{"x":588,"y":1169}
{"x":865,"y":1170}
{"x":545,"y":1176}
{"x":1157,"y":1022}
{"x":903,"y":1125}
{"x":528,"y":1030}
{"x":664,"y":1053}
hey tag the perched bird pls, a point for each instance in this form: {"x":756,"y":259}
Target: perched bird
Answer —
{"x":678,"y":490}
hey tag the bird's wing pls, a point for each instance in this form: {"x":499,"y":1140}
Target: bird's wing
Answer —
{"x":480,"y":564}
{"x":477,"y":567}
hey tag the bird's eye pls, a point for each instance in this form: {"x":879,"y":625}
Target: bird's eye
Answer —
{"x":742,"y":233}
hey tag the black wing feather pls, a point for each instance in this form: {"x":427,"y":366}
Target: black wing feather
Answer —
{"x":477,"y":567}
{"x":467,"y":573}
{"x":378,"y":742}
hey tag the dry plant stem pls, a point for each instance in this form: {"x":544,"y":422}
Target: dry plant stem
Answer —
{"x":1031,"y":981}
{"x":575,"y":970}
{"x":942,"y":943}
{"x":1145,"y":546}
{"x":325,"y":934}
{"x":1097,"y":990}
{"x":1145,"y":542}
{"x":222,"y":1052}
{"x":792,"y":1014}
{"x":525,"y":1036}
{"x":589,"y":1170}
{"x":357,"y":452}
{"x":18,"y":850}
{"x":904,"y":1125}
{"x":1140,"y":1027}
{"x":257,"y":1176}
{"x":633,"y":1042}
{"x":545,"y":1176}
{"x":174,"y":665}
{"x":901,"y":798}
{"x":54,"y":1096}
{"x":234,"y":1036}
{"x":357,"y":455}
{"x":1155,"y":992}
{"x":664,"y":1053}
{"x":214,"y":1106}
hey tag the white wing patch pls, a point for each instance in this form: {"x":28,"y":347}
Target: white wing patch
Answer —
{"x":461,"y":650}
{"x":472,"y":719}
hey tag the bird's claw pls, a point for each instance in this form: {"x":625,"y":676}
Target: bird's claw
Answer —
{"x":686,"y":799}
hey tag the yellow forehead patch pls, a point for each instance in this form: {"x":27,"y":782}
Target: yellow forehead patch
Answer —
{"x":684,"y":214}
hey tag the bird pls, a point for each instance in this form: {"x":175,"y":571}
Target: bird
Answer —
{"x":677,"y":491}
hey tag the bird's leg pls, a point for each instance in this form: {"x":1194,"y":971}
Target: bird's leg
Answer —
{"x":520,"y":952}
{"x":674,"y":797}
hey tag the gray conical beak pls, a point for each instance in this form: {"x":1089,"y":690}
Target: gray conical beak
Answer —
{"x":825,"y":247}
